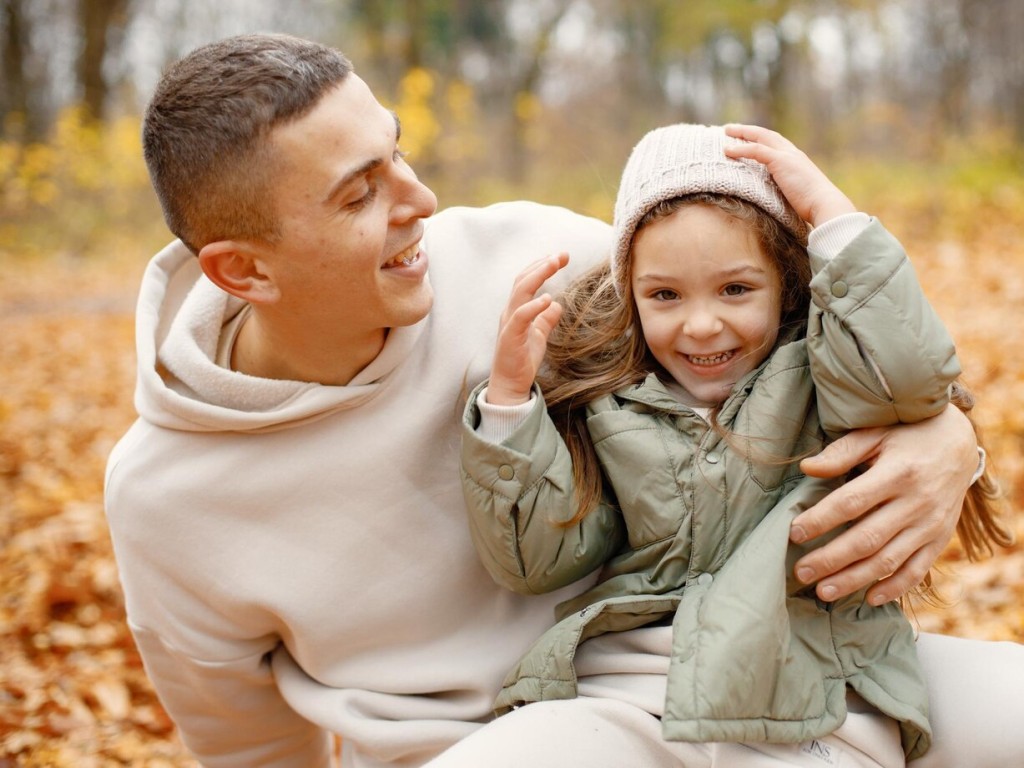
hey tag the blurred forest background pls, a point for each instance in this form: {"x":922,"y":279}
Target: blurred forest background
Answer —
{"x":915,"y":107}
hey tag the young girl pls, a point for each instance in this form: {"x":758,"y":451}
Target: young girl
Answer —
{"x":683,"y":384}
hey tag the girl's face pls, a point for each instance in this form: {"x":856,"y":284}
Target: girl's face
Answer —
{"x":709,"y":300}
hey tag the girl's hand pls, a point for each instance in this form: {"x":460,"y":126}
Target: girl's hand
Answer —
{"x":813,"y":196}
{"x":523,"y":333}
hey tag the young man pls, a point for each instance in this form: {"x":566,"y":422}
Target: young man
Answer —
{"x":286,"y":512}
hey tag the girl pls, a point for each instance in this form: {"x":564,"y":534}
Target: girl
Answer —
{"x":683,"y":384}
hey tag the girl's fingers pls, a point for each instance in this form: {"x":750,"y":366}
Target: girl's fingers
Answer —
{"x":759,"y":135}
{"x":533,"y":277}
{"x":529,"y":281}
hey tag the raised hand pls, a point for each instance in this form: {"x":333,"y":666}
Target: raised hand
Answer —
{"x":523,"y":334}
{"x":811,"y":193}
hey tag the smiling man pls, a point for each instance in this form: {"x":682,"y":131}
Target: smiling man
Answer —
{"x":286,"y":512}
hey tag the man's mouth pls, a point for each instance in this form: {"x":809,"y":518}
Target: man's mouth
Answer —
{"x":709,"y":360}
{"x":406,"y":258}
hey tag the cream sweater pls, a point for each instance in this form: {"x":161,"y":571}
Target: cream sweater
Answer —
{"x":295,"y":557}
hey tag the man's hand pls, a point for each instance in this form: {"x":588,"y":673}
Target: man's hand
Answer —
{"x":904,"y":508}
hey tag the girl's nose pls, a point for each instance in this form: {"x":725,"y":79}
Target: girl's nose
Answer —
{"x":702,"y":323}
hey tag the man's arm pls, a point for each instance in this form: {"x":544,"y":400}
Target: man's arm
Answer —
{"x":903,"y":508}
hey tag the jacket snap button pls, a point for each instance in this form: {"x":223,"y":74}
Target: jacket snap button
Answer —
{"x":505,"y":472}
{"x":713,"y":457}
{"x":840,"y":289}
{"x":704,"y":579}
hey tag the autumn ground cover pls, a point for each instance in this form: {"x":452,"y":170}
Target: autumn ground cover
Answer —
{"x":72,"y":690}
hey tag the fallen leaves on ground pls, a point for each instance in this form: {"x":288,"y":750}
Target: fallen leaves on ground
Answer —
{"x":72,"y":688}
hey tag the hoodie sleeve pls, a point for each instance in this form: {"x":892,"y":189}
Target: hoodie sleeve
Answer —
{"x":213,"y":678}
{"x":879,"y":353}
{"x":230,"y":713}
{"x":518,"y":493}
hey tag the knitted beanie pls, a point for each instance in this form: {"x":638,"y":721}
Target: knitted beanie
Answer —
{"x":685,"y":159}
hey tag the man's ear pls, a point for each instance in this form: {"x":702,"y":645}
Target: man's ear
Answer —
{"x":238,"y":268}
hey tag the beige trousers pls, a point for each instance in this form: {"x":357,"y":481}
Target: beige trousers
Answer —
{"x":977,"y":716}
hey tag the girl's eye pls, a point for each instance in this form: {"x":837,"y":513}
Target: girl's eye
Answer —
{"x":735,"y":290}
{"x":664,"y":295}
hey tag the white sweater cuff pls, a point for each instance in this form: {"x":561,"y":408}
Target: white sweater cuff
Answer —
{"x":498,"y":422}
{"x":828,"y":239}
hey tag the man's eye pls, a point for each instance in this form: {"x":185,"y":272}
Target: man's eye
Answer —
{"x":365,"y":200}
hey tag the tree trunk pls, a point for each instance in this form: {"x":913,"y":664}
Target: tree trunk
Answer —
{"x":15,"y":99}
{"x":98,"y":20}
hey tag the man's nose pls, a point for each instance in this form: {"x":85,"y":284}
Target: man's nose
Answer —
{"x":413,"y":199}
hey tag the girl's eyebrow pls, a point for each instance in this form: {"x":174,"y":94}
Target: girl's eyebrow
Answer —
{"x":740,"y":269}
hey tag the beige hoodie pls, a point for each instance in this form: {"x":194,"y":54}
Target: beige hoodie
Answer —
{"x":295,"y":557}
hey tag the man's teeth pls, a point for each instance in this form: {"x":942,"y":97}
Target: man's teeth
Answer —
{"x":721,"y":357}
{"x":407,"y":257}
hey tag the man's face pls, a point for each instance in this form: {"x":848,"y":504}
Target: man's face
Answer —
{"x":350,"y":216}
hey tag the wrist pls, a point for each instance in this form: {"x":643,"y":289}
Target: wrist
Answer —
{"x":502,"y":396}
{"x":832,"y":208}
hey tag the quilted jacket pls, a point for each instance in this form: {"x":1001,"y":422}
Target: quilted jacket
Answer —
{"x":694,"y":530}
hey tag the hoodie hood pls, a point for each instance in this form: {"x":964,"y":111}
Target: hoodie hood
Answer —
{"x":179,"y":320}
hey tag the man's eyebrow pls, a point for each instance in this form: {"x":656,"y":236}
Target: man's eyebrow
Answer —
{"x":363,"y":169}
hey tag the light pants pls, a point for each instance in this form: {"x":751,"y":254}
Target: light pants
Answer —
{"x":977,"y":716}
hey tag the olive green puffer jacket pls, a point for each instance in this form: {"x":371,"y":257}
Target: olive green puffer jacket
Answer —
{"x":697,"y":532}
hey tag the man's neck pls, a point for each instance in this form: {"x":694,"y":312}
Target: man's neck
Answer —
{"x":260,"y":351}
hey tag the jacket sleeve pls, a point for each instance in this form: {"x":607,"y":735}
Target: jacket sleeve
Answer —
{"x":517,"y":494}
{"x":879,"y":353}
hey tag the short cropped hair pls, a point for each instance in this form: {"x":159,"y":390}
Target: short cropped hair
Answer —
{"x":206,"y":131}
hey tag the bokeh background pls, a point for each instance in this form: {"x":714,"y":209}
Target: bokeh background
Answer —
{"x":915,"y":107}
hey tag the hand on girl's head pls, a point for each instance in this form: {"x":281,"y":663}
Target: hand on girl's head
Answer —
{"x":811,"y":193}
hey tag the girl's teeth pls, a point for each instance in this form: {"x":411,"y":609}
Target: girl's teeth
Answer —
{"x":721,"y":357}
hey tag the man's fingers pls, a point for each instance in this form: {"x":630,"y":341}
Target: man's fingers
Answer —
{"x":843,"y":505}
{"x":895,"y":569}
{"x":879,"y":551}
{"x":906,"y":577}
{"x":859,"y":550}
{"x":849,"y":451}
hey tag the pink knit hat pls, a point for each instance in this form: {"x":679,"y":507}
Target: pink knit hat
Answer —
{"x":685,"y":159}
